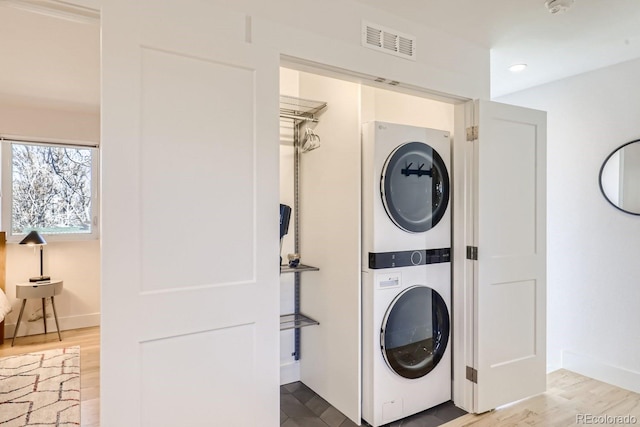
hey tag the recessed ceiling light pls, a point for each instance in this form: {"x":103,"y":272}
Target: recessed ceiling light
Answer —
{"x":516,"y":68}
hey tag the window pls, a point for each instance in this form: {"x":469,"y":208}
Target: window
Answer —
{"x":51,"y":188}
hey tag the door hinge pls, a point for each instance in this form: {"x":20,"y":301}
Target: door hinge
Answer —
{"x":472,"y":133}
{"x":472,"y":375}
{"x":472,"y":253}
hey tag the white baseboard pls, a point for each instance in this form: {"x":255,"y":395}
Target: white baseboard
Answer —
{"x":37,"y":327}
{"x":598,"y":370}
{"x":289,"y":373}
{"x":552,"y":367}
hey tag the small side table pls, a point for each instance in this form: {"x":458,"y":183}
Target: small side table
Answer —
{"x":45,"y":289}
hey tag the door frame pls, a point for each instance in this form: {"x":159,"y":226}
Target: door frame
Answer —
{"x":462,"y":285}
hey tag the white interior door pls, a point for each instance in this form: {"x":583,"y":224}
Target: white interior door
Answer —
{"x":189,"y":233}
{"x":510,"y":272}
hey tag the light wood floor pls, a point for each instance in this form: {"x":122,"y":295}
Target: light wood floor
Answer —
{"x":568,"y":394}
{"x":89,"y":341}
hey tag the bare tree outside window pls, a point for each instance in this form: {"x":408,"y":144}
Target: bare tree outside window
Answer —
{"x":51,"y":189}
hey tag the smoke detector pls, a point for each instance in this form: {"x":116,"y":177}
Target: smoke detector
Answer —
{"x":556,"y":6}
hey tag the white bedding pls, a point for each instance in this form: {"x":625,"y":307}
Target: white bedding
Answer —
{"x":5,"y":307}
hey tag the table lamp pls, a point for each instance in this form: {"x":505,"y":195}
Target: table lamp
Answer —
{"x":32,"y":239}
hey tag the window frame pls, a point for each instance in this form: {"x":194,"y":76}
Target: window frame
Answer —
{"x":7,"y":188}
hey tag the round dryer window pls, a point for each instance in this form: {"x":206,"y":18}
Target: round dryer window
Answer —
{"x":415,"y":187}
{"x":415,"y":332}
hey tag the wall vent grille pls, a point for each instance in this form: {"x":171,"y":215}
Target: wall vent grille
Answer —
{"x":389,"y":41}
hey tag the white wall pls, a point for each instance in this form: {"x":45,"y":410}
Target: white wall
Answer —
{"x":37,"y":121}
{"x":593,"y":250}
{"x":329,"y":34}
{"x":77,"y":262}
{"x":389,"y":106}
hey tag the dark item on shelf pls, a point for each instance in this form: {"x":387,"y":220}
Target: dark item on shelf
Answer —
{"x":294,"y":260}
{"x":285,"y":216}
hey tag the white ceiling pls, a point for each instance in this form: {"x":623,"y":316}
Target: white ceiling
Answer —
{"x":47,"y":60}
{"x":591,"y":34}
{"x":57,"y":61}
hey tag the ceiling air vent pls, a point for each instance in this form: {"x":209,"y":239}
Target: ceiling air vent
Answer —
{"x":389,"y":41}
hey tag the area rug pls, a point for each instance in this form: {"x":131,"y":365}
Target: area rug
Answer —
{"x":41,"y":389}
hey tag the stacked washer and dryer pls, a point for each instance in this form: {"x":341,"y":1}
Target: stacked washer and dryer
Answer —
{"x":406,"y":280}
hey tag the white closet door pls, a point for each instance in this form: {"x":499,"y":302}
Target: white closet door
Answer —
{"x":510,"y":273}
{"x":190,"y":224}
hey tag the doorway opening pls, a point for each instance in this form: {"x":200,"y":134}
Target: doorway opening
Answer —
{"x":324,"y":360}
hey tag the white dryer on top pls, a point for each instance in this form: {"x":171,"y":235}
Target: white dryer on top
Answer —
{"x":405,"y":193}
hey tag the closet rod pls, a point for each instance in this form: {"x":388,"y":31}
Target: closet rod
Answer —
{"x":75,"y":144}
{"x":301,"y":118}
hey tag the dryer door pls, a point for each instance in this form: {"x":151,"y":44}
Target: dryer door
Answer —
{"x":415,"y":187}
{"x":415,"y":332}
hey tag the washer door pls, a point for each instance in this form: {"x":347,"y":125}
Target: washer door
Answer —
{"x":415,"y":187}
{"x":415,"y":332}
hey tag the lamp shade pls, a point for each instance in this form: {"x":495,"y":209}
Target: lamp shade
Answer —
{"x":33,"y":238}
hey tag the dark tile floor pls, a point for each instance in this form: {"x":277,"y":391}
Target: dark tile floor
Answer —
{"x":301,"y":407}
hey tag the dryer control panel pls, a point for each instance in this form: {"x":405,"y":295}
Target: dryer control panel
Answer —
{"x":408,"y":258}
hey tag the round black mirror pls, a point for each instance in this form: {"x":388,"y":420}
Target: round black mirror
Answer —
{"x":620,"y":178}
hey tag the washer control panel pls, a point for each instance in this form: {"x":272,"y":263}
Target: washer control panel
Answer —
{"x":408,"y":258}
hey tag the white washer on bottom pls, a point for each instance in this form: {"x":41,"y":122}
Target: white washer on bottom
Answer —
{"x":406,"y":341}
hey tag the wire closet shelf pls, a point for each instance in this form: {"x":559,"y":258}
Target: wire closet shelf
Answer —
{"x":299,"y":109}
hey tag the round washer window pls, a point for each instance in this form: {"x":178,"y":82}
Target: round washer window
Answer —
{"x":415,"y":332}
{"x":415,"y":187}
